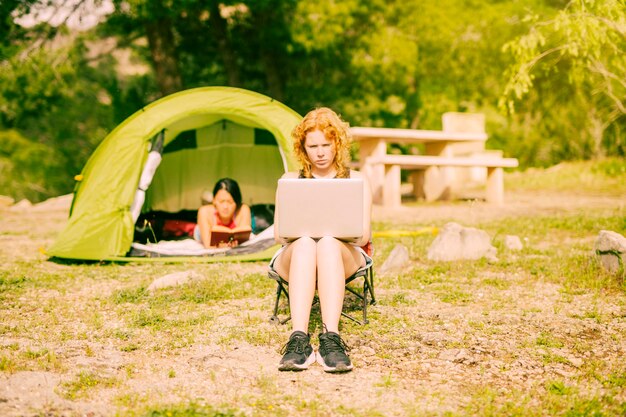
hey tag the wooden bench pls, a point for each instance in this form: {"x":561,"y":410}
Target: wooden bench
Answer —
{"x":425,"y":165}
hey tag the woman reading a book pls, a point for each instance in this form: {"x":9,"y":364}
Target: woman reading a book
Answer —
{"x":226,"y":216}
{"x":321,"y":145}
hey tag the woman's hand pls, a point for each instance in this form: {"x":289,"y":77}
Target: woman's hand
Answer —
{"x":231,"y":244}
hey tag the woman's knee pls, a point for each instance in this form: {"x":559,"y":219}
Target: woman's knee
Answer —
{"x":304,"y":244}
{"x":328,"y":244}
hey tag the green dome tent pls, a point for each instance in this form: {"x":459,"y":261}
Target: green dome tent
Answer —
{"x":198,"y":136}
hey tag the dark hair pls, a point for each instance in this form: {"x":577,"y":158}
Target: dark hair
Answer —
{"x":231,"y":187}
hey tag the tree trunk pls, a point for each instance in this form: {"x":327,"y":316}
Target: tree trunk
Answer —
{"x":269,"y":52}
{"x":164,"y":56}
{"x":220,"y":34}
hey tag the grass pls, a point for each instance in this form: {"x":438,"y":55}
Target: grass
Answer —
{"x":85,"y":382}
{"x":589,"y":177}
{"x":538,"y":332}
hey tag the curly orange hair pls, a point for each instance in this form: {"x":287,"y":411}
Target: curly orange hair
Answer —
{"x":334,"y":128}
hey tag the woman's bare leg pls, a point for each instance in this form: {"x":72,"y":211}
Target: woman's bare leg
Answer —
{"x":297,"y":265}
{"x":335,"y":262}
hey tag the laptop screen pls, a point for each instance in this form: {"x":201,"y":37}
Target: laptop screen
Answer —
{"x":320,"y":207}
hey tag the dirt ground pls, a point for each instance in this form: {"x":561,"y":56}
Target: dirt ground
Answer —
{"x":438,"y":362}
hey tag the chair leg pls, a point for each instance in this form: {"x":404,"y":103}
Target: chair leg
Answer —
{"x":351,"y":318}
{"x":365,"y":293}
{"x":280,"y":289}
{"x":370,"y":285}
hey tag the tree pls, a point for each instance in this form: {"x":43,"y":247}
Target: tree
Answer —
{"x":583,"y":44}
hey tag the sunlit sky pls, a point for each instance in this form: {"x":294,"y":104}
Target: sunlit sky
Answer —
{"x":85,"y":16}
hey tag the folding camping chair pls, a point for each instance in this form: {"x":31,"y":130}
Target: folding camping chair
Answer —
{"x":366,"y":272}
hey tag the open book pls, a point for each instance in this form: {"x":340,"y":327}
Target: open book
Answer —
{"x":226,"y":237}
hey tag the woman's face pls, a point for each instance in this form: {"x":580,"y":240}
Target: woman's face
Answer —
{"x":320,"y":151}
{"x":224,"y":204}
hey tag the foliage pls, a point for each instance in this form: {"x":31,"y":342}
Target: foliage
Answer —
{"x":578,"y":54}
{"x":27,"y":166}
{"x":56,"y":98}
{"x":379,"y":63}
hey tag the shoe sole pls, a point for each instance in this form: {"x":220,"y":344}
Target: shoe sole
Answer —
{"x":294,"y":367}
{"x":341,"y":368}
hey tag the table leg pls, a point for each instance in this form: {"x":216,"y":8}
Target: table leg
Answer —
{"x":438,"y":180}
{"x":392,"y":196}
{"x":417,"y":179}
{"x":375,"y":173}
{"x":495,"y":185}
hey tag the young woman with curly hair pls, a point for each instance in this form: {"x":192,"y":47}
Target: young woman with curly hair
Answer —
{"x":321,"y":145}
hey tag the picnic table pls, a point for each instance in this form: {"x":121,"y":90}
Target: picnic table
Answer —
{"x":434,"y":172}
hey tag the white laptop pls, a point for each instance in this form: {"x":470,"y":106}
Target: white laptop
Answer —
{"x":320,"y":207}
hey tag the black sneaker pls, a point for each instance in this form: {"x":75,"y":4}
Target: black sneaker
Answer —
{"x":332,"y":353}
{"x":297,"y":353}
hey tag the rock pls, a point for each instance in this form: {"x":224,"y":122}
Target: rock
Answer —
{"x":512,"y":242}
{"x":457,"y":356}
{"x":175,"y":279}
{"x":433,"y":339}
{"x":456,"y":242}
{"x":610,"y":247}
{"x":367,"y":351}
{"x":397,"y":259}
{"x":6,"y":201}
{"x":576,"y":362}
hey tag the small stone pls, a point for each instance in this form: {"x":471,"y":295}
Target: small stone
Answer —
{"x":367,"y":351}
{"x":172,"y":280}
{"x":576,"y":362}
{"x":610,"y":247}
{"x":512,"y":242}
{"x":397,"y":259}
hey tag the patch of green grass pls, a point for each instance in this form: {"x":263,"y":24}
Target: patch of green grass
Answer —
{"x":210,"y":290}
{"x":610,"y":167}
{"x":7,"y":364}
{"x":84,"y":382}
{"x":192,"y":409}
{"x":548,"y":340}
{"x":130,"y":295}
{"x":615,"y":379}
{"x":498,"y":283}
{"x":607,"y":176}
{"x":555,"y":228}
{"x":451,"y":294}
{"x":592,"y":314}
{"x":558,"y":387}
{"x":30,"y":354}
{"x":131,"y":347}
{"x":148,"y":318}
{"x":552,"y":398}
{"x":550,"y":357}
{"x":583,"y":272}
{"x":388,"y":381}
{"x":11,"y":346}
{"x":254,"y":336}
{"x":489,"y":402}
{"x":9,"y":282}
{"x":401,"y":298}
